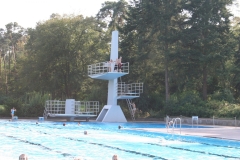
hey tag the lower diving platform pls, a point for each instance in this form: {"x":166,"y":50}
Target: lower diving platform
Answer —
{"x":71,"y":109}
{"x":129,"y":91}
{"x":71,"y":117}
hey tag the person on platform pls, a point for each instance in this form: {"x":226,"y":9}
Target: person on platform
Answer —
{"x":134,"y":108}
{"x":12,"y":112}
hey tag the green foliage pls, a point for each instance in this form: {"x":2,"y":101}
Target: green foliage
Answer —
{"x":8,"y":104}
{"x":223,"y":95}
{"x":59,"y":51}
{"x":34,"y":104}
{"x":2,"y":109}
{"x":183,"y":52}
{"x":190,"y":104}
{"x":156,"y":114}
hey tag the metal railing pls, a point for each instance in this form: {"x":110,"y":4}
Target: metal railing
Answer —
{"x":81,"y":107}
{"x":133,"y":89}
{"x":173,"y":123}
{"x":105,"y":67}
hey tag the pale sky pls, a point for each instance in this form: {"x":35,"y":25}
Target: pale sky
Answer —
{"x":28,"y":12}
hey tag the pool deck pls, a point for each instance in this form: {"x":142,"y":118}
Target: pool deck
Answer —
{"x":222,"y":132}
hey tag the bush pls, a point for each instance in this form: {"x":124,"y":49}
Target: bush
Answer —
{"x":191,"y":105}
{"x":7,"y":104}
{"x":34,"y":104}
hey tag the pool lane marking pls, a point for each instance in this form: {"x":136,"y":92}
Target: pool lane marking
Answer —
{"x":99,"y":144}
{"x":120,"y":149}
{"x":181,"y":140}
{"x":37,"y":144}
{"x":166,"y":139}
{"x":220,"y":155}
{"x":154,"y":144}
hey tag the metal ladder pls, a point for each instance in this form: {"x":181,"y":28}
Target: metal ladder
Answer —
{"x":129,"y":103}
{"x":172,"y":124}
{"x":45,"y":114}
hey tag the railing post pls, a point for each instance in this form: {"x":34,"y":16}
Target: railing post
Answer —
{"x":235,"y":122}
{"x":213,"y":120}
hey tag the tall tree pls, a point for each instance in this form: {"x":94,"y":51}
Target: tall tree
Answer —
{"x":9,"y":47}
{"x":236,"y":60}
{"x":206,"y":34}
{"x":156,"y":25}
{"x":114,"y":13}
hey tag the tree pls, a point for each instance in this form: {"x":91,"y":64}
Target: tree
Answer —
{"x":235,"y":63}
{"x":59,"y":51}
{"x":114,"y":13}
{"x":156,"y":26}
{"x":9,"y":40}
{"x":206,"y":35}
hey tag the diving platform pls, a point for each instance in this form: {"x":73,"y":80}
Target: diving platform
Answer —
{"x":107,"y":70}
{"x":71,"y":109}
{"x":129,"y":91}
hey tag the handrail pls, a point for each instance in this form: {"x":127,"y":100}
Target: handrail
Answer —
{"x":81,"y":107}
{"x":106,"y":67}
{"x":172,"y":123}
{"x":132,"y":89}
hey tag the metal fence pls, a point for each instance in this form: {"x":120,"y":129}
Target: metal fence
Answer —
{"x":132,"y":89}
{"x":81,"y":107}
{"x":105,"y":67}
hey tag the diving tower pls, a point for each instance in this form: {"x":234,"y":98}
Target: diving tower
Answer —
{"x":111,"y":71}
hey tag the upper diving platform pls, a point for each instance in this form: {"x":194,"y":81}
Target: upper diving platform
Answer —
{"x":107,"y":70}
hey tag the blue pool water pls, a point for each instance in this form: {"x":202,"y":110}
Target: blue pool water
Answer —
{"x":53,"y":141}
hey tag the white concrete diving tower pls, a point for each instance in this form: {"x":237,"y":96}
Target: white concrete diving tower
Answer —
{"x":109,"y":71}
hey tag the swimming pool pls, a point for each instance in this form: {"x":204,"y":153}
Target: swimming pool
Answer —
{"x":52,"y":140}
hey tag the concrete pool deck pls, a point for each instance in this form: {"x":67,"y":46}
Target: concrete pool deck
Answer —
{"x":222,"y":132}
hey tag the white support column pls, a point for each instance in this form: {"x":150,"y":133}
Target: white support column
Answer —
{"x":114,"y":46}
{"x":112,"y":84}
{"x":112,"y":92}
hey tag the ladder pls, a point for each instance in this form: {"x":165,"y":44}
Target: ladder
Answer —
{"x":172,"y":123}
{"x":129,"y":103}
{"x":45,"y":114}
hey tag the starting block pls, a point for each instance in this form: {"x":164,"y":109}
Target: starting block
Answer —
{"x":195,"y":118}
{"x":15,"y":118}
{"x":40,"y":118}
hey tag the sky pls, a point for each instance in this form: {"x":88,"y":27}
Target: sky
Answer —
{"x":28,"y":12}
